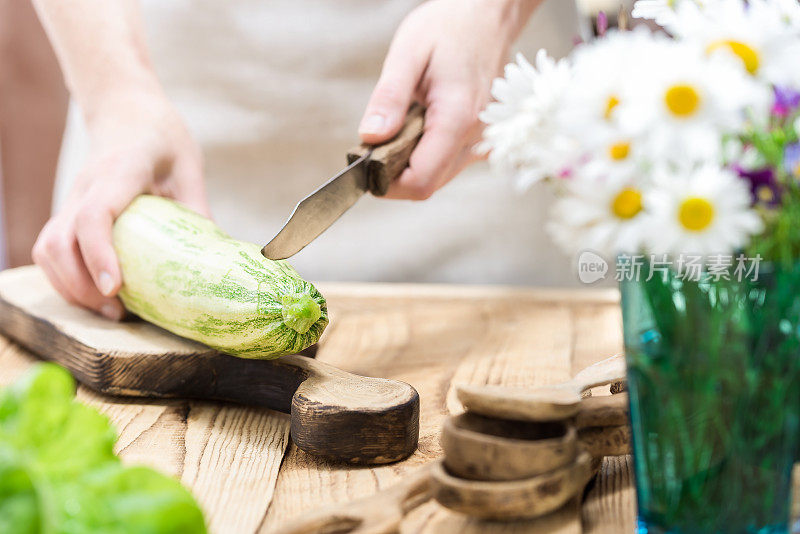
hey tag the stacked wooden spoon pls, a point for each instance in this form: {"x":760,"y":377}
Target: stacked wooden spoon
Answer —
{"x":522,"y":453}
{"x":514,"y":454}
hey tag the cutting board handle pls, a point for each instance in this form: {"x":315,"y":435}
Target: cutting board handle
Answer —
{"x":334,"y":414}
{"x":387,"y":161}
{"x":352,"y":418}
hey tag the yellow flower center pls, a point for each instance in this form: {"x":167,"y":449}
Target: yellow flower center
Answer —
{"x":611,"y":104}
{"x":696,"y":214}
{"x":765,"y":194}
{"x":619,"y":151}
{"x":627,"y":204}
{"x":743,"y":51}
{"x":682,"y":100}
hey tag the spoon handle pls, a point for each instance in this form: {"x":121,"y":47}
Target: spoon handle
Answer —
{"x":381,"y":512}
{"x":601,"y":373}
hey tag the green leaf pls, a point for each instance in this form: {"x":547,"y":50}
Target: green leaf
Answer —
{"x":59,"y":474}
{"x":19,"y":507}
{"x":129,"y":500}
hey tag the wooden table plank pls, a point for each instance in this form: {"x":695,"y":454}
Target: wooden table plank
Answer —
{"x":233,"y":439}
{"x":610,"y":506}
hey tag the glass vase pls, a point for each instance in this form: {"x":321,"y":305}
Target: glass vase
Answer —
{"x":714,"y":374}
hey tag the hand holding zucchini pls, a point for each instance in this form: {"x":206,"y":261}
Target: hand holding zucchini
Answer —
{"x":183,"y":273}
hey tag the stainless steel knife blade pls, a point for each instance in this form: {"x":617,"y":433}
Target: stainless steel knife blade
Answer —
{"x":315,"y":213}
{"x":372,"y":169}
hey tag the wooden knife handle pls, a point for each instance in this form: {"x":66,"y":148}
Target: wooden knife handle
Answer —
{"x":388,"y":160}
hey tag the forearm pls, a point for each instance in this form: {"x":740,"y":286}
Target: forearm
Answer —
{"x":100,"y":46}
{"x":33,"y":108}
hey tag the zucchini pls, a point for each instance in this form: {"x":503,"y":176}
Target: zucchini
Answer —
{"x":183,"y":273}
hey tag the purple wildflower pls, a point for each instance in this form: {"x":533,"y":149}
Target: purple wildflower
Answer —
{"x":786,"y":101}
{"x":602,"y":23}
{"x":791,"y":160}
{"x":764,"y":187}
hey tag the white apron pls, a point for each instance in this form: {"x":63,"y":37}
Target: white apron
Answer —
{"x":273,"y":91}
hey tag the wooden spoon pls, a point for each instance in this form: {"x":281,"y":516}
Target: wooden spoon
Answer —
{"x":602,"y":441}
{"x":384,"y":511}
{"x":603,"y":410}
{"x":545,"y":403}
{"x":377,"y":514}
{"x":486,"y":448}
{"x":513,"y":499}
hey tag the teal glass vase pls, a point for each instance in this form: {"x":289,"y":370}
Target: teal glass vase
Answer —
{"x":714,"y":380}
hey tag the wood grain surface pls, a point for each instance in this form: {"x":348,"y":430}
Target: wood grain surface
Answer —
{"x":239,"y":461}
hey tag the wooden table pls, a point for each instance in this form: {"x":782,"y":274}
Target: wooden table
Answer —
{"x":241,"y":466}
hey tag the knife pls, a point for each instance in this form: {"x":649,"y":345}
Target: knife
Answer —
{"x":370,"y":169}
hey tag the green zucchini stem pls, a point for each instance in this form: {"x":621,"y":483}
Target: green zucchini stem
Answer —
{"x":299,"y":312}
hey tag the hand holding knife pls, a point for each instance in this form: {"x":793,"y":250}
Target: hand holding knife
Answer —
{"x":371,"y":169}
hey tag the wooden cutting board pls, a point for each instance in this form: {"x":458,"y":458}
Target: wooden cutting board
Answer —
{"x":334,"y":414}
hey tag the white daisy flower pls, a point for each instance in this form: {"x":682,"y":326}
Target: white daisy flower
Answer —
{"x":619,"y":153}
{"x":600,"y":210}
{"x":756,"y":34}
{"x":592,"y":101}
{"x":660,"y":11}
{"x":679,"y":102}
{"x":522,"y":137}
{"x":706,"y":211}
{"x":790,"y":12}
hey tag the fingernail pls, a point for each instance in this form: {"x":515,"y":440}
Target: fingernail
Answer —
{"x":105,"y":283}
{"x":373,"y":124}
{"x":111,"y":311}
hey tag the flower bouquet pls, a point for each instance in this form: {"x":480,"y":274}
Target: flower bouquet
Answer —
{"x":677,"y":154}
